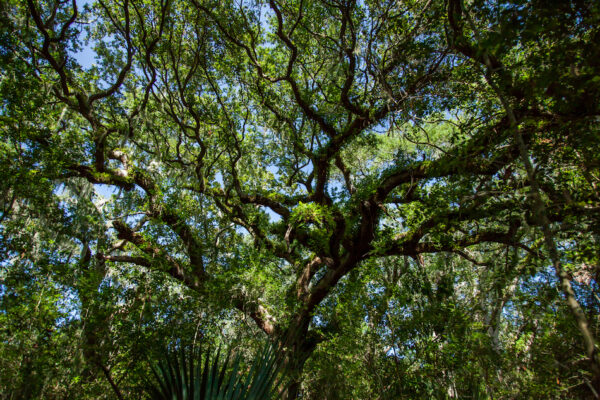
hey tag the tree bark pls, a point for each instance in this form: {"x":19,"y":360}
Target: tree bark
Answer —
{"x":297,"y":344}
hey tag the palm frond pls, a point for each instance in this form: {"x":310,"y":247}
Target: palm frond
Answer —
{"x":196,"y":375}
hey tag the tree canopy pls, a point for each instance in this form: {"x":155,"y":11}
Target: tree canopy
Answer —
{"x":404,"y":195}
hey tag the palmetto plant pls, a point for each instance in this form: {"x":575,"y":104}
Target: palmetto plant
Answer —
{"x":196,"y":375}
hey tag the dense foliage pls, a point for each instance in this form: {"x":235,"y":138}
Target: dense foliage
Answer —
{"x":403,"y":194}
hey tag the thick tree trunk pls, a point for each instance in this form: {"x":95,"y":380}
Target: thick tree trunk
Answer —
{"x":298,"y":344}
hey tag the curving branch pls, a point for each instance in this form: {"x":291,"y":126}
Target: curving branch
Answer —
{"x":176,"y":270}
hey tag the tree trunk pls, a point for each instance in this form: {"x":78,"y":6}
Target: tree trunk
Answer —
{"x":297,"y":344}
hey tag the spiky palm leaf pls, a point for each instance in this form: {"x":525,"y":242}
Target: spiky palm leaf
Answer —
{"x":194,"y":375}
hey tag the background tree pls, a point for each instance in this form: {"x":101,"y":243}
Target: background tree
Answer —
{"x":334,"y":171}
